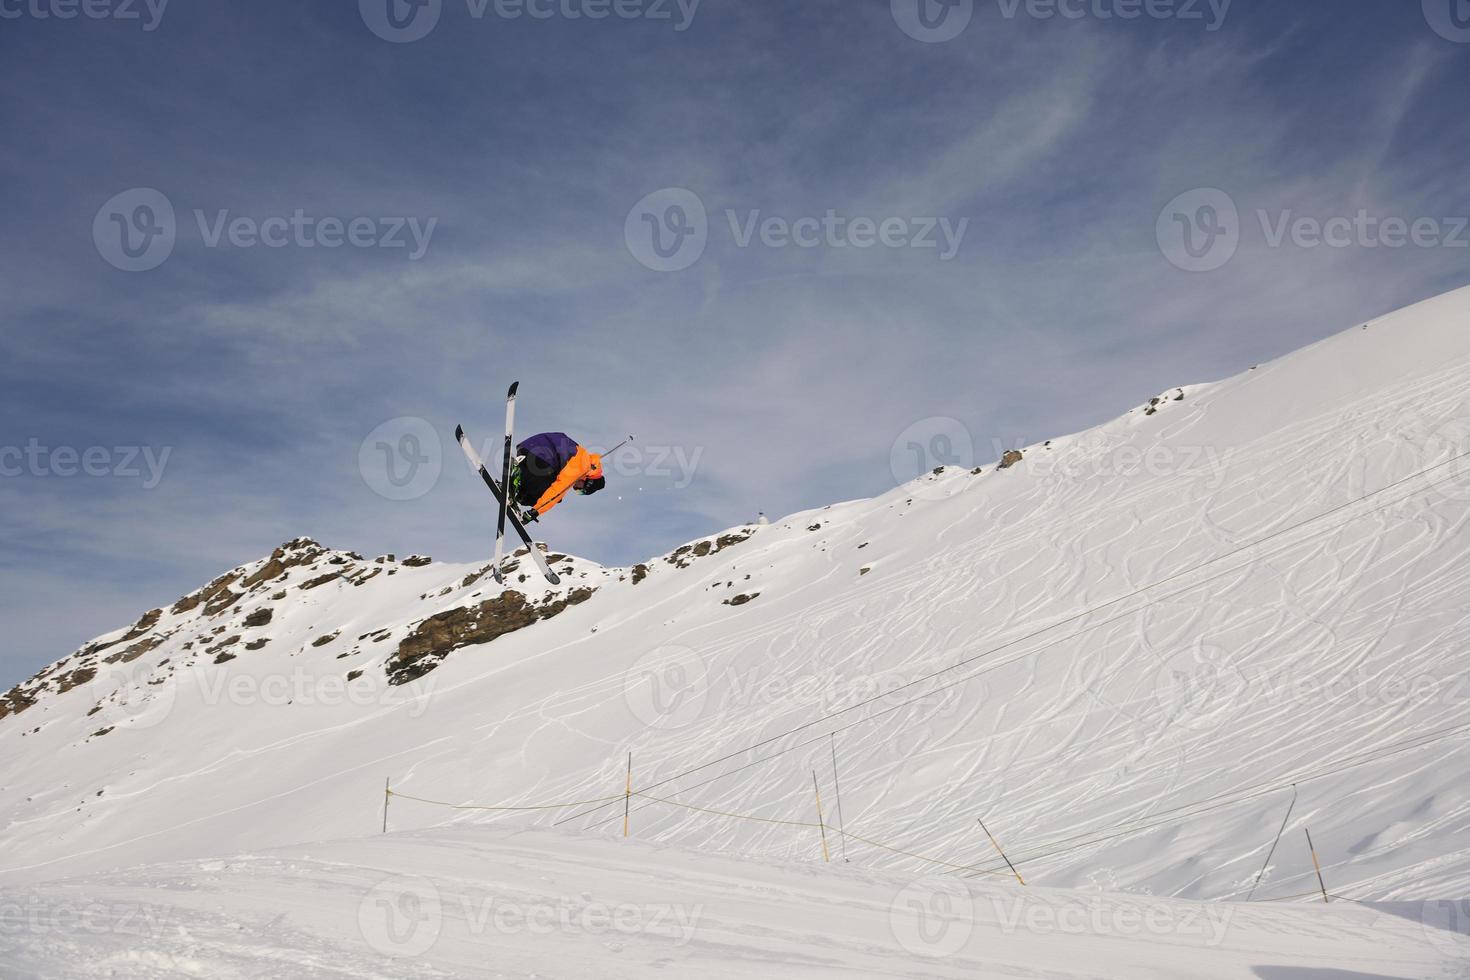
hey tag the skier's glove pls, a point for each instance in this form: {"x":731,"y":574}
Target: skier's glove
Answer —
{"x":530,"y":516}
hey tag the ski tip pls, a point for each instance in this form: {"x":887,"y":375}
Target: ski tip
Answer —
{"x":553,"y":578}
{"x":514,"y":387}
{"x":459,"y":432}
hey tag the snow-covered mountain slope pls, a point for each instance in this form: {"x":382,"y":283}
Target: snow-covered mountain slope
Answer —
{"x":1120,"y":652}
{"x":486,"y":902}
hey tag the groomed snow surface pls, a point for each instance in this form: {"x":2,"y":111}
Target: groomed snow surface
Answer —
{"x":1134,"y":653}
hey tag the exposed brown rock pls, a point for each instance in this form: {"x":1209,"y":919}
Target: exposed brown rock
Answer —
{"x":1011,"y":458}
{"x":741,"y":600}
{"x":640,"y":572}
{"x":205,"y":595}
{"x":261,"y":617}
{"x":321,"y":580}
{"x":440,"y":635}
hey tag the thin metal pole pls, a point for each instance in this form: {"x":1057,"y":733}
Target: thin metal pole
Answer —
{"x":628,"y":795}
{"x":1002,"y":853}
{"x":1318,"y":865}
{"x":1272,"y":852}
{"x":841,"y":824}
{"x":826,"y":854}
{"x":387,"y":795}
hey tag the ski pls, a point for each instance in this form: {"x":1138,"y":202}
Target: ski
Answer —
{"x":502,"y":500}
{"x":510,"y":428}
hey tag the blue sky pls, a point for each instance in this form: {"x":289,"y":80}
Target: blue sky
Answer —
{"x":1058,"y":151}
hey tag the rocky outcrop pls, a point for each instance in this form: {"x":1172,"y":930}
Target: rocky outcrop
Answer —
{"x":682,"y":557}
{"x":434,"y":639}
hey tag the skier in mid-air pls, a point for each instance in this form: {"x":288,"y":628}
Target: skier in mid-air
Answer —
{"x":547,"y":467}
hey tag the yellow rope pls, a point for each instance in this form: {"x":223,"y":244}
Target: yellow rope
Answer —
{"x":726,"y":813}
{"x":1315,"y":893}
{"x":471,"y":806}
{"x":922,"y":857}
{"x":804,"y":823}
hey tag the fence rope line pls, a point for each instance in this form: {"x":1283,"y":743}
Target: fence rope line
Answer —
{"x":520,"y":809}
{"x":1245,"y":795}
{"x":816,"y":826}
{"x":1073,"y":618}
{"x":727,"y":813}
